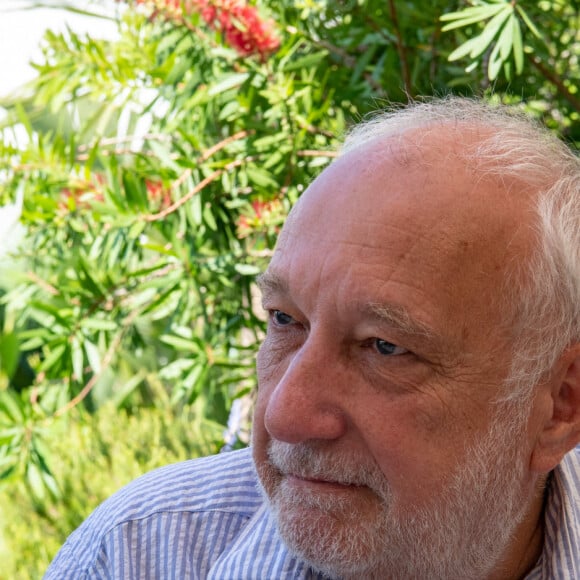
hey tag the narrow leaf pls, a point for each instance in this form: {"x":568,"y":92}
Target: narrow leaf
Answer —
{"x":9,"y":353}
{"x":533,"y":29}
{"x":476,"y":12}
{"x":479,"y":17}
{"x":77,"y":358}
{"x":518,"y":48}
{"x":495,"y":62}
{"x":228,"y":82}
{"x":464,"y":49}
{"x":490,"y":31}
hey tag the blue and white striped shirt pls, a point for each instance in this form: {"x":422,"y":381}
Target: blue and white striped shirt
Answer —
{"x":206,"y":519}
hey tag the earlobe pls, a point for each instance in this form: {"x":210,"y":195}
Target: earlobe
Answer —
{"x":561,"y":431}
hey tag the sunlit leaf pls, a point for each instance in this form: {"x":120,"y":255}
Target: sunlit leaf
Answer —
{"x":518,"y":49}
{"x":470,"y":16}
{"x":227,"y":82}
{"x":533,"y":28}
{"x":9,"y":352}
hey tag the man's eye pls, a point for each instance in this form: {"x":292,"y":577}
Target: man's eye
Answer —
{"x":281,"y":318}
{"x":388,"y":348}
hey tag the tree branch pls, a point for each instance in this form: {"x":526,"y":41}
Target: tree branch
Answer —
{"x":402,"y":51}
{"x":549,"y":75}
{"x":212,"y":177}
{"x":104,"y":365}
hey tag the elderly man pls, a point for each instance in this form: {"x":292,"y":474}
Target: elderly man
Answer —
{"x":419,"y":385}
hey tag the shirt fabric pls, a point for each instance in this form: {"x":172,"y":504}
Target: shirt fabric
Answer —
{"x":206,"y":519}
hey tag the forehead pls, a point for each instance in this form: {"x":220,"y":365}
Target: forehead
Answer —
{"x":407,"y":221}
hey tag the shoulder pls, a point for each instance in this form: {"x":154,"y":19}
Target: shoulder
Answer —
{"x":568,"y":474}
{"x":561,"y":555}
{"x":206,"y":483}
{"x":223,"y":485}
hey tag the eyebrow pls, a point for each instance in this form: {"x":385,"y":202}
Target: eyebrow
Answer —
{"x":393,"y":315}
{"x":271,"y":282}
{"x":398,"y":317}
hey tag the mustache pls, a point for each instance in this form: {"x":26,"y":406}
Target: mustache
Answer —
{"x":312,"y":460}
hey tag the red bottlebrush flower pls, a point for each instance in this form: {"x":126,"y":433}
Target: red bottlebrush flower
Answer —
{"x":241,"y":24}
{"x":159,"y":195}
{"x":264,"y":217}
{"x":80,"y":195}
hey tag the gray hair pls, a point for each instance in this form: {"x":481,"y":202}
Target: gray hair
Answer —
{"x":543,"y":294}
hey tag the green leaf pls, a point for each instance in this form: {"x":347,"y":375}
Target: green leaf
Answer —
{"x":194,"y":377}
{"x":518,"y":49}
{"x":54,"y":356}
{"x":35,"y":481}
{"x":505,"y":41}
{"x":533,"y":29}
{"x":478,"y":12}
{"x":171,"y":39}
{"x":208,"y":218}
{"x":136,"y":230}
{"x":494,"y":64}
{"x":261,"y":177}
{"x":490,"y":31}
{"x":134,"y":191}
{"x":24,"y":119}
{"x":247,"y":269}
{"x":180,"y":343}
{"x":77,"y":358}
{"x":308,"y":61}
{"x":227,"y":82}
{"x":470,"y":16}
{"x":175,"y":369}
{"x":464,"y":49}
{"x":62,"y":315}
{"x":9,"y":353}
{"x":88,"y":280}
{"x":99,"y":324}
{"x":93,"y":355}
{"x":12,"y":407}
{"x":121,"y":393}
{"x":163,"y":151}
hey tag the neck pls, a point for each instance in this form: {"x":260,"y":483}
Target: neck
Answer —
{"x":528,"y":540}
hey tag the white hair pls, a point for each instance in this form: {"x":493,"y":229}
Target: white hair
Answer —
{"x":543,"y":293}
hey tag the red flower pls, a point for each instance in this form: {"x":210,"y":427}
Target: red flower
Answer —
{"x":241,"y":24}
{"x":79,"y":195}
{"x":159,"y":195}
{"x":263,"y":217}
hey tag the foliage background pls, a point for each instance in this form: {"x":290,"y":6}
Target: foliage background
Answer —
{"x":152,"y":178}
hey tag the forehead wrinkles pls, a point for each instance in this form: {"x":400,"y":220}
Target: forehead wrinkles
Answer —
{"x":415,"y":206}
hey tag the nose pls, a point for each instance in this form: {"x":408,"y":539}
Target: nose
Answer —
{"x":304,"y":402}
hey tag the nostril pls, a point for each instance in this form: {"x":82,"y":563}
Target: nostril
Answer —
{"x":297,"y":418}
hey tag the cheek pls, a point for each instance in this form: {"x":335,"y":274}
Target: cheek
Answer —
{"x":260,"y":437}
{"x":412,"y":443}
{"x":264,"y":362}
{"x":266,"y":382}
{"x":272,"y":360}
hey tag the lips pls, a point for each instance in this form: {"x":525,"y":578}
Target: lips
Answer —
{"x":298,"y":480}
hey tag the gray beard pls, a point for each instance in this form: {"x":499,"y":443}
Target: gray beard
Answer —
{"x":461,"y":534}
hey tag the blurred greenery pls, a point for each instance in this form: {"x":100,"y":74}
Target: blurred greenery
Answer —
{"x":93,"y":457}
{"x":143,"y":183}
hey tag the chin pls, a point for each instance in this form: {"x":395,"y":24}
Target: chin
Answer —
{"x":359,"y":529}
{"x":335,"y":528}
{"x":335,"y":533}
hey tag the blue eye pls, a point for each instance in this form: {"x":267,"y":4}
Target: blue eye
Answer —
{"x":281,"y":318}
{"x":387,"y":348}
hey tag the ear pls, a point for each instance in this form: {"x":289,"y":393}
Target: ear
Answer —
{"x":561,"y":429}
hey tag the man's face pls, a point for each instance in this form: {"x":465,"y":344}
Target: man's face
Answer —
{"x":375,"y":433}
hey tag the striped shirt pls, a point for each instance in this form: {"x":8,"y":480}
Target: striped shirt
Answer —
{"x":206,"y":519}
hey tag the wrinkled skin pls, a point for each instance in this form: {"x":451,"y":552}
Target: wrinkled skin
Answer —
{"x":387,"y":348}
